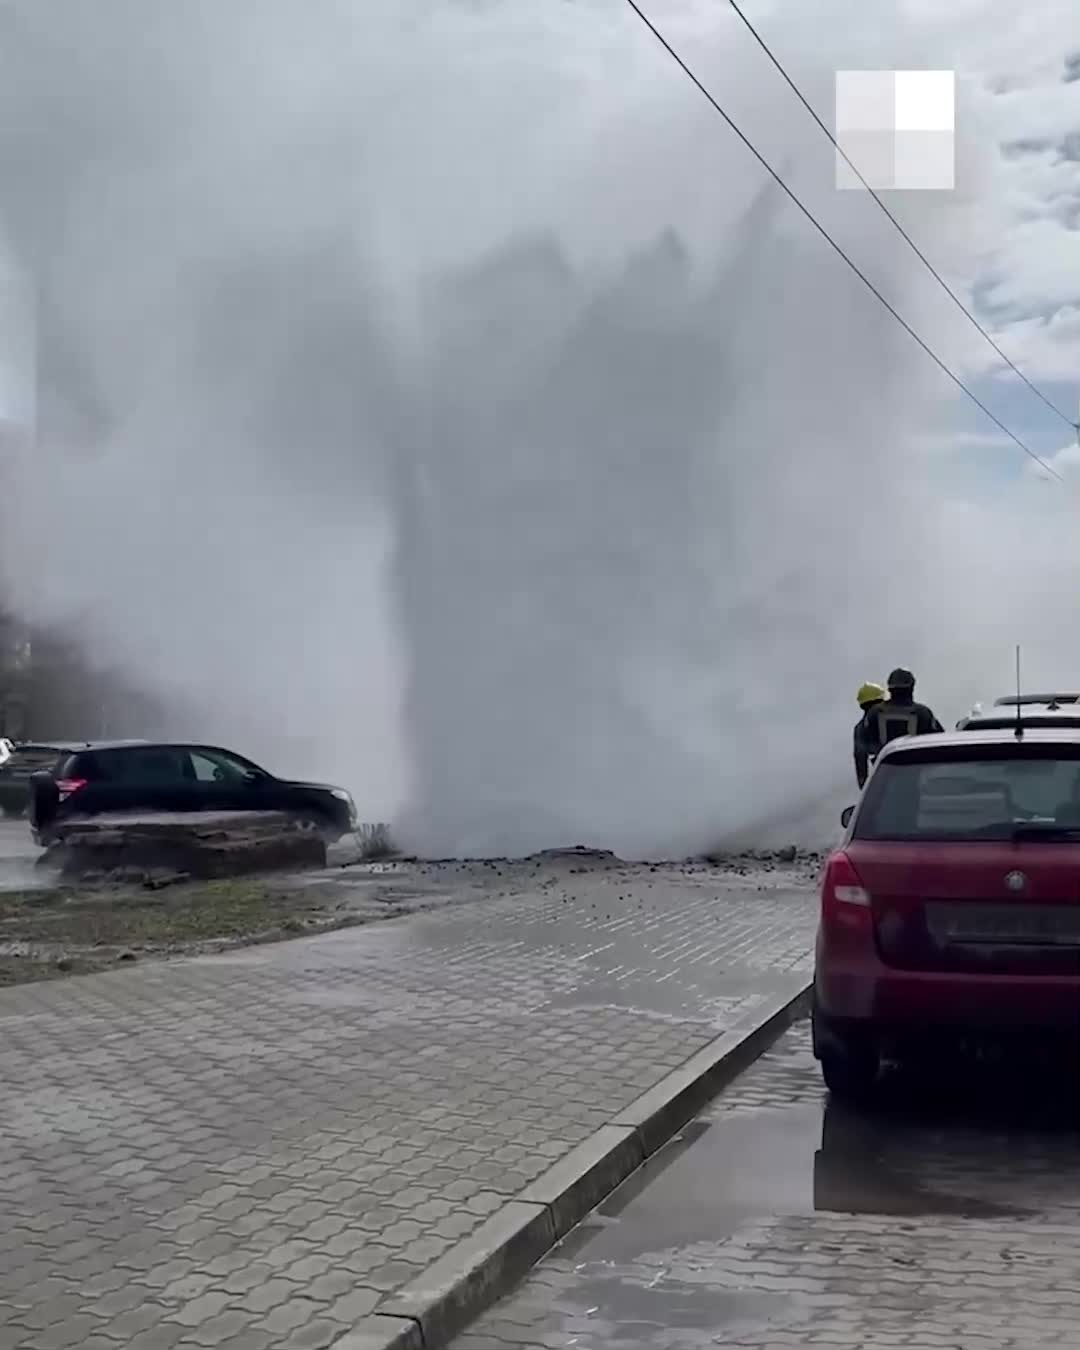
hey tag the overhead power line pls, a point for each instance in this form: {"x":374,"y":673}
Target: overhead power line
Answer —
{"x":656,"y":33}
{"x":903,"y":233}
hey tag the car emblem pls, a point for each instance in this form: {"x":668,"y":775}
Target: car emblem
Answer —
{"x":1016,"y":881}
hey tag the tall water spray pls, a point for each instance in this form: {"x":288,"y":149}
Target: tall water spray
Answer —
{"x":435,"y":399}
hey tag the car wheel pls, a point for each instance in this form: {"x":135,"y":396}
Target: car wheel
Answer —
{"x":13,"y":812}
{"x":850,"y":1077}
{"x":316,"y":824}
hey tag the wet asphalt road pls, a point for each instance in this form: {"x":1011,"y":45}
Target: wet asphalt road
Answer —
{"x":947,"y":1217}
{"x":15,"y":840}
{"x":18,"y":853}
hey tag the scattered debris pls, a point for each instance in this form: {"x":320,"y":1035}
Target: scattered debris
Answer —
{"x":132,"y":849}
{"x":578,"y":853}
{"x":374,"y":842}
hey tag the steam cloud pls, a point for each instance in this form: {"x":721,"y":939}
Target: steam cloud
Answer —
{"x":434,"y":399}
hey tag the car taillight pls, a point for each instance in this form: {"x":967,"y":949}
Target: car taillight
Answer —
{"x":844,"y":899}
{"x":67,"y":786}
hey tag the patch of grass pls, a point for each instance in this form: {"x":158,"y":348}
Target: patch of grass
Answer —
{"x":130,"y":918}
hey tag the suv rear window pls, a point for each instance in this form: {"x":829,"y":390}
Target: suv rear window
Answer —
{"x":86,"y":765}
{"x":992,"y":793}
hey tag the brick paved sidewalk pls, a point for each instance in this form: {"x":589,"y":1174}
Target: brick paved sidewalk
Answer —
{"x":254,"y":1149}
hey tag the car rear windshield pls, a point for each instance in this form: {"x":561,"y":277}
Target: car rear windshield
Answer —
{"x":991,"y":792}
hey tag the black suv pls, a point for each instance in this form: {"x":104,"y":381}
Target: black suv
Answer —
{"x":25,"y":760}
{"x":100,"y":777}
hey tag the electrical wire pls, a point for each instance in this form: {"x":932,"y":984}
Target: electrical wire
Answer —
{"x":903,"y":233}
{"x":662,"y":40}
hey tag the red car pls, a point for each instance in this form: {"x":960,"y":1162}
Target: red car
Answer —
{"x":951,"y":911}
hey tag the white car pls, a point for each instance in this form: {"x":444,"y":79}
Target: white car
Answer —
{"x":1030,"y":710}
{"x":6,"y":749}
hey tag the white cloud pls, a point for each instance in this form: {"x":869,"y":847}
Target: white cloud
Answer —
{"x":1049,"y":277}
{"x":949,"y":442}
{"x":1066,"y":461}
{"x":1008,"y":236}
{"x":1027,"y":258}
{"x":1048,"y":347}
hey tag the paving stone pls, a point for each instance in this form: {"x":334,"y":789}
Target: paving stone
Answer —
{"x":270,"y":1295}
{"x":290,"y":1316}
{"x":71,"y":1332}
{"x":220,"y":1330}
{"x":200,"y":1309}
{"x":317,"y":1335}
{"x":188,"y":1287}
{"x":329,"y":1288}
{"x":247,"y":1278}
{"x":355,"y":1305}
{"x":128,"y":1324}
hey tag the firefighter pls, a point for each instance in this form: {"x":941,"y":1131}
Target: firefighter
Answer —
{"x":898,"y":715}
{"x":869,"y":696}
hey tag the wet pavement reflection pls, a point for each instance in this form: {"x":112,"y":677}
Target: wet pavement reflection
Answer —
{"x":18,"y":854}
{"x":948,"y":1215}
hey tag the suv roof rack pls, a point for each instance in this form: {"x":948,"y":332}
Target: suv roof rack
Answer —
{"x":1027,"y":700}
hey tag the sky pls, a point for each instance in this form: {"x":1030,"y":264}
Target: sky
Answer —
{"x":437,"y":398}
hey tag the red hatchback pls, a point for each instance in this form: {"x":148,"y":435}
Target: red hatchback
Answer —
{"x":951,"y":911}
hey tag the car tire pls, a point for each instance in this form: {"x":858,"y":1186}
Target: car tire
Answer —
{"x":13,"y":812}
{"x":850,"y":1076}
{"x":313,"y":821}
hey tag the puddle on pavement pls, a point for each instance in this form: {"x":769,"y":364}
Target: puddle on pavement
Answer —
{"x":717,"y":1174}
{"x":618,"y":1312}
{"x":630,"y":1284}
{"x":889,"y":1166}
{"x":666,"y":998}
{"x":916,"y":1155}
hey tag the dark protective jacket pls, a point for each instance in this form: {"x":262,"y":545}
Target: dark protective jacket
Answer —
{"x":893,"y":718}
{"x":862,"y":747}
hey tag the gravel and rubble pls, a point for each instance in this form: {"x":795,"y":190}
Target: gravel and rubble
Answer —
{"x":203,"y":844}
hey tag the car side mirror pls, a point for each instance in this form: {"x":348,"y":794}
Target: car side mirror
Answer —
{"x":845,"y":816}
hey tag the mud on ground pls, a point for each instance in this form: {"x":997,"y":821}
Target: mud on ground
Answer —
{"x":76,"y":929}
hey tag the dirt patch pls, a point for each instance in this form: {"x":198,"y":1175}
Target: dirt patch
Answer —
{"x":74,"y":930}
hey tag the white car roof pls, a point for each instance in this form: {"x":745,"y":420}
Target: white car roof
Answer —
{"x":1003,"y":736}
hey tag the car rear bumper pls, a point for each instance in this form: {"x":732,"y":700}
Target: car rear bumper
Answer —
{"x":874,"y":994}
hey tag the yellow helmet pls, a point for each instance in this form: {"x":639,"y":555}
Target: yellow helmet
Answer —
{"x":870,"y":693}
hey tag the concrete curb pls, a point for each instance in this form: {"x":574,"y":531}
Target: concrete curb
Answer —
{"x":436,"y":1306}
